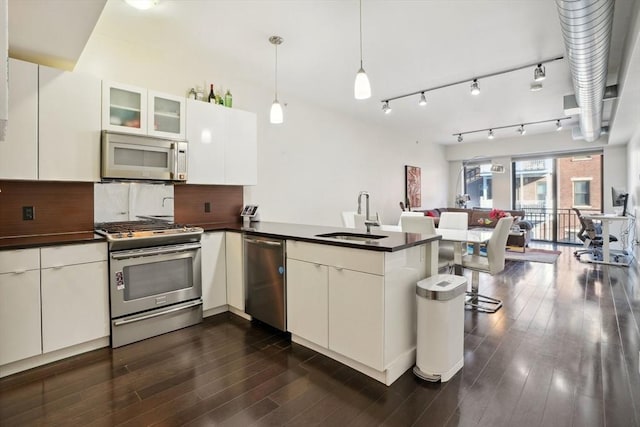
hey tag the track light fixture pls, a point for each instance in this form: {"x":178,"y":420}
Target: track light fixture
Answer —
{"x":539,"y":74}
{"x":475,"y":88}
{"x":520,"y":128}
{"x":385,"y":107}
{"x":423,"y":100}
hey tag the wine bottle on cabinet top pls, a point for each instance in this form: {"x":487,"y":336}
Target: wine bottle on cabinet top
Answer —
{"x":212,"y":96}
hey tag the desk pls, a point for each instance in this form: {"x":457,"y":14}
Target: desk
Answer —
{"x":606,"y":220}
{"x":458,"y":237}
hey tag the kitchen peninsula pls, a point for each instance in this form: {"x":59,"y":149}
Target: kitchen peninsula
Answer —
{"x":352,"y":296}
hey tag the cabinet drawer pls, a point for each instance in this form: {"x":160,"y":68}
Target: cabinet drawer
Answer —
{"x":57,"y":256}
{"x":17,"y":261}
{"x":352,"y":259}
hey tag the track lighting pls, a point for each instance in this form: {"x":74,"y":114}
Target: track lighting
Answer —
{"x":475,"y":88}
{"x":385,"y":107}
{"x":520,"y":127}
{"x":539,"y":74}
{"x":423,"y":100}
{"x":362,"y":87}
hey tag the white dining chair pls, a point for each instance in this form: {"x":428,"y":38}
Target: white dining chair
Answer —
{"x":453,"y":221}
{"x":408,"y":213}
{"x":493,"y":263}
{"x":423,"y":225}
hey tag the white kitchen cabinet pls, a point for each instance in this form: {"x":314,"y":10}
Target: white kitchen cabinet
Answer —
{"x":75,"y":301}
{"x":132,"y":109}
{"x":235,"y":270}
{"x":124,"y":108}
{"x":206,"y":142}
{"x":356,"y":316}
{"x":214,"y":277}
{"x":19,"y":151}
{"x":307,"y":301}
{"x":19,"y":305}
{"x":241,"y":148}
{"x":69,"y":126}
{"x":222,"y":145}
{"x":166,"y":117}
{"x":355,"y":305}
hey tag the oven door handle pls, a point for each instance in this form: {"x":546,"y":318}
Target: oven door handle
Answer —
{"x":160,"y":313}
{"x":155,"y":251}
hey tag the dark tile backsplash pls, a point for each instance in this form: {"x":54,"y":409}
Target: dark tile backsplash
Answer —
{"x":200,"y":204}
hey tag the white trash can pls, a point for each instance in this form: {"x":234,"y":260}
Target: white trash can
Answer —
{"x":440,"y":327}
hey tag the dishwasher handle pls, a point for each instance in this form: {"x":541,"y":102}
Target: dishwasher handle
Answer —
{"x":264,"y":242}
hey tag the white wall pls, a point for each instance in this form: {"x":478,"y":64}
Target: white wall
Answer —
{"x":311,"y":167}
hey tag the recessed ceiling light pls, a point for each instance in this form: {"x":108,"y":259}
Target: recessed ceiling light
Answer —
{"x":142,"y":4}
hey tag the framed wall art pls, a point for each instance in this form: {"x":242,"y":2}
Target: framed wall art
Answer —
{"x":413,"y":186}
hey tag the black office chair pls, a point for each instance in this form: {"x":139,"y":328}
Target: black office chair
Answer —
{"x":591,"y":236}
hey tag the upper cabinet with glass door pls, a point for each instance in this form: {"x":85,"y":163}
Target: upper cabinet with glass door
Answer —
{"x":131,"y":109}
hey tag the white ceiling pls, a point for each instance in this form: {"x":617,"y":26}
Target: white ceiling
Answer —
{"x":408,"y":46}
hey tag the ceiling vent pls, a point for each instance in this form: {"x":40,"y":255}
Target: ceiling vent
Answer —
{"x":586,"y":28}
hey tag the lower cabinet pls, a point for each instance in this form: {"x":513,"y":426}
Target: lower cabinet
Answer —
{"x":307,"y":301}
{"x":52,"y":298}
{"x":19,"y":315}
{"x":74,"y":304}
{"x":356,"y":316}
{"x":235,"y":272}
{"x":214,"y":278}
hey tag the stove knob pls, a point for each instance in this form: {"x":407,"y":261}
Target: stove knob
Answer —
{"x":130,"y":234}
{"x":119,"y":235}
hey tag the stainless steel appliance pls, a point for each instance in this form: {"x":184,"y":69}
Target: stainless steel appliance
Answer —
{"x":264,"y":275}
{"x":141,"y":157}
{"x":155,"y":278}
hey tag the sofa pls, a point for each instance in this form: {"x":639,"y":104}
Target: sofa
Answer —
{"x":479,"y":218}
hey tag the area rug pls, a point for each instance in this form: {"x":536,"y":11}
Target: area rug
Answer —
{"x":534,"y":255}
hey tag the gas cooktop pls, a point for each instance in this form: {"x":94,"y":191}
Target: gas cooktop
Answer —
{"x":160,"y":232}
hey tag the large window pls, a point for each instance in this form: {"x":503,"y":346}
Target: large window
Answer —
{"x":477,"y":184}
{"x":581,"y":192}
{"x":548,"y":188}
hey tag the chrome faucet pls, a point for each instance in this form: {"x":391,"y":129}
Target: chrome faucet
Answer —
{"x":368,"y":222}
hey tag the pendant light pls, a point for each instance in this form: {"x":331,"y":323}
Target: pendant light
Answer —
{"x":276,"y":115}
{"x":362,"y":88}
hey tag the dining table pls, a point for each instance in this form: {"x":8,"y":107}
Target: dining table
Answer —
{"x":460,"y":239}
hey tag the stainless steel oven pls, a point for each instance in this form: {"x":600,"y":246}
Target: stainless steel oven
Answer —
{"x":155,"y":282}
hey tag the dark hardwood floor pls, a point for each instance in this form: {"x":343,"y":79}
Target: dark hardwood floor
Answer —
{"x":563,"y":351}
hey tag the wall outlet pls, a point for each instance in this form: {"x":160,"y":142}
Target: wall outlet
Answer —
{"x":28,"y":213}
{"x":207,"y":206}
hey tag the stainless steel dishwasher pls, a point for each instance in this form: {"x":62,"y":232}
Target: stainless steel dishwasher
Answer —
{"x":264,"y":280}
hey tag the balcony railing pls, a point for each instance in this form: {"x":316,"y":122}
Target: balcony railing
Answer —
{"x":565,"y":221}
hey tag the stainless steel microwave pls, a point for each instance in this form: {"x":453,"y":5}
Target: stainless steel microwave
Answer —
{"x":127,"y":156}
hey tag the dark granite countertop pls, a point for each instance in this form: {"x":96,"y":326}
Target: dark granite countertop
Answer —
{"x":25,"y":242}
{"x":393,"y":241}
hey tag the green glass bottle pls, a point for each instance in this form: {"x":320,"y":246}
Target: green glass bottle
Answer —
{"x":228,"y":99}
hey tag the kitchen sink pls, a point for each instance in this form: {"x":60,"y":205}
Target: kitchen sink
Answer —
{"x":358,"y":237}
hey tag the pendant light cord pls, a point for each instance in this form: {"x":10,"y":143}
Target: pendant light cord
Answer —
{"x":276,"y":77}
{"x":361,"y":34}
